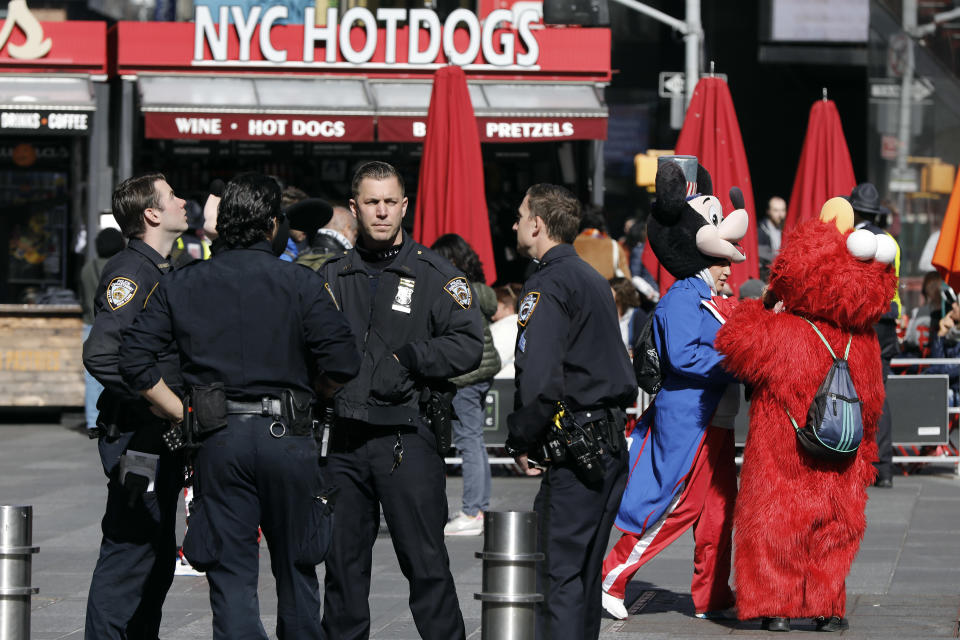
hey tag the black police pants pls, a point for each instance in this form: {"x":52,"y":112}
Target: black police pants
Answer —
{"x":245,"y":477}
{"x":138,"y":550}
{"x":575,"y":520}
{"x":414,"y":504}
{"x":884,"y":463}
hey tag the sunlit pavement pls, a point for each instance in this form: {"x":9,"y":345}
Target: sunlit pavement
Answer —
{"x":905,"y":582}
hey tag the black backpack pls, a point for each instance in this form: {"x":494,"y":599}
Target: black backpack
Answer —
{"x":646,"y":360}
{"x":834,"y":426}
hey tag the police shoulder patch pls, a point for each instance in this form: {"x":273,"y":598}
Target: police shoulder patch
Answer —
{"x":459,"y":289}
{"x":527,"y":305}
{"x":120,"y":291}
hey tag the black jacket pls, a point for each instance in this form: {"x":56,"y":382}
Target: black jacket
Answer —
{"x":568,"y":347}
{"x":126,"y":283}
{"x":422,"y":311}
{"x":255,"y":323}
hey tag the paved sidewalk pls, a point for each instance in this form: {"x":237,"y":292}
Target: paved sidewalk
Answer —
{"x":905,"y":582}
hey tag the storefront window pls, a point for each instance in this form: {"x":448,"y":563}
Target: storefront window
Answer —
{"x":34,"y":192}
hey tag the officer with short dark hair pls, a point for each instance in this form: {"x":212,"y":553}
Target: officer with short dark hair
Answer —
{"x":255,"y":336}
{"x":568,"y":351}
{"x":139,"y":547}
{"x":416,"y":326}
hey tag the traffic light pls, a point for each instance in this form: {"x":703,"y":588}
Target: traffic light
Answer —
{"x":646,"y":166}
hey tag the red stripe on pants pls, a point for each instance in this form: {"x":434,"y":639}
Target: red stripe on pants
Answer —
{"x":706,"y":503}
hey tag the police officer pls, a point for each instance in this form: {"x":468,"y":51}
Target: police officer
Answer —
{"x":416,"y":325}
{"x":868,"y":213}
{"x":138,"y":549}
{"x":259,"y":334}
{"x":569,"y":350}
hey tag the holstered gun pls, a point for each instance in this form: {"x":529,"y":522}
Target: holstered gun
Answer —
{"x":569,"y":441}
{"x":440,"y":414}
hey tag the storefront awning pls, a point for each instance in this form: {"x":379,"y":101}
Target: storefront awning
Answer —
{"x":48,"y":105}
{"x":506,"y":111}
{"x":344,"y":109}
{"x":229,"y":108}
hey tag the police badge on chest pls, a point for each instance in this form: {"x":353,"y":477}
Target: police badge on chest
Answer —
{"x":404,"y":297}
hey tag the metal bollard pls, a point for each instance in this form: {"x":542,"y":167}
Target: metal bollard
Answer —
{"x":16,"y":553}
{"x":509,"y":575}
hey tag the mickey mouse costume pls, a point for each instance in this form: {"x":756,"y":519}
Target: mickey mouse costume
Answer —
{"x":682,"y":470}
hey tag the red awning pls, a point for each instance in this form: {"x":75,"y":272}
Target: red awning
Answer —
{"x":339,"y":109}
{"x":505,"y":111}
{"x":245,"y":126}
{"x":230,"y":108}
{"x":503,"y":129}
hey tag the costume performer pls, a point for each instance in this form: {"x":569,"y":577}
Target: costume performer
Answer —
{"x":682,"y":469}
{"x":799,"y":519}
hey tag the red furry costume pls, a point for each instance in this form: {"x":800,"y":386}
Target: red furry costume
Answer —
{"x":799,"y":520}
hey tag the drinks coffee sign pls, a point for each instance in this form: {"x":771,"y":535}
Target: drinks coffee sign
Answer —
{"x":395,"y":37}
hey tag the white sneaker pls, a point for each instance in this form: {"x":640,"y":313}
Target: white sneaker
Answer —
{"x":464,"y":525}
{"x":614,"y":606}
{"x":184,"y":568}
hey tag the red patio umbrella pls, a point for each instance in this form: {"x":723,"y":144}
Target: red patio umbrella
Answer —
{"x":450,"y":194}
{"x":946,"y":257}
{"x":711,"y":132}
{"x":825,"y":168}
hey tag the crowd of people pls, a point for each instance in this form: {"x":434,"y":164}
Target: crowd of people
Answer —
{"x":310,"y":365}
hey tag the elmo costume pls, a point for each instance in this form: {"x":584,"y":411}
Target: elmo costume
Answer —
{"x":799,"y":519}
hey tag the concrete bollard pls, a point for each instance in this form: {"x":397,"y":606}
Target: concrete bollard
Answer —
{"x":16,"y":555}
{"x":509,"y":575}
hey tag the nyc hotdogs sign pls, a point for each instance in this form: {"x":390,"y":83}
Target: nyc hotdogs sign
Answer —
{"x":394,"y":37}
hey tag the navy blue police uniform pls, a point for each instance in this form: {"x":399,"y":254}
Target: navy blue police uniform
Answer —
{"x":138,"y":549}
{"x":569,"y":349}
{"x":264,"y":329}
{"x":415,"y":324}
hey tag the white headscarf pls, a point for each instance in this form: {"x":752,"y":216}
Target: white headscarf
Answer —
{"x":705,"y":275}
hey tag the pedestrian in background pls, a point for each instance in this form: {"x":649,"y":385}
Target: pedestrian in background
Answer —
{"x":469,"y":403}
{"x":108,"y":243}
{"x":333,"y":238}
{"x":869,"y":214}
{"x":598,"y":249}
{"x":504,"y":326}
{"x":769,"y":233}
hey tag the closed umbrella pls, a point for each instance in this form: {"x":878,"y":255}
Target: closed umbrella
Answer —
{"x":946,"y":257}
{"x":825,"y":168}
{"x":450,"y":194}
{"x":712,"y":134}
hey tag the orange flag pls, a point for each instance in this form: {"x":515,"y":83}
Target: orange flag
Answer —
{"x":946,"y":258}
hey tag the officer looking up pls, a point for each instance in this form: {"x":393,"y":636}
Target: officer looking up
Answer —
{"x":416,"y":327}
{"x":139,"y":546}
{"x":569,"y":350}
{"x":260,"y":333}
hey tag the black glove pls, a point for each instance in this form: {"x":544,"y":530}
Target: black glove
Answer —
{"x":391,"y":381}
